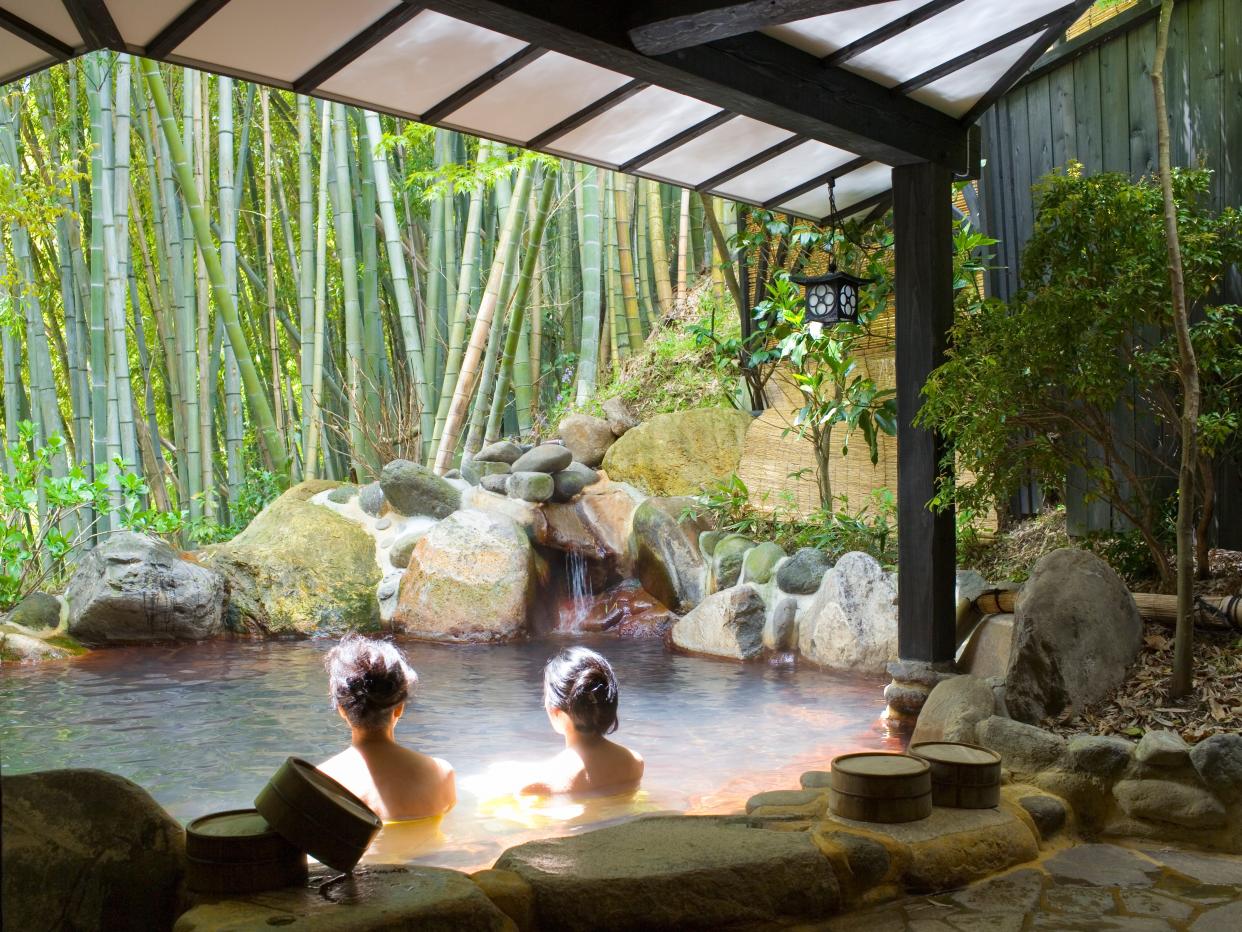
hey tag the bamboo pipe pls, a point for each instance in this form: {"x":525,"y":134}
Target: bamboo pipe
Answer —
{"x":1224,"y":611}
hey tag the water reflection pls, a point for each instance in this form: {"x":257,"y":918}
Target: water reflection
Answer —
{"x":203,"y":727}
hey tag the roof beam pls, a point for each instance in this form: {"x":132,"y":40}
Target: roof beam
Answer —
{"x":31,"y":33}
{"x":676,"y":142}
{"x":817,"y":181}
{"x":857,"y":207}
{"x":484,"y":82}
{"x":360,"y":44}
{"x":586,"y":114}
{"x":752,"y":75}
{"x":183,"y":26}
{"x":661,"y":26}
{"x":95,"y":24}
{"x":889,"y":31}
{"x":1029,"y":57}
{"x":742,"y":167}
{"x":1049,"y":21}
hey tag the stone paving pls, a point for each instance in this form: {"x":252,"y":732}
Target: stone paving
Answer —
{"x":1087,"y":888}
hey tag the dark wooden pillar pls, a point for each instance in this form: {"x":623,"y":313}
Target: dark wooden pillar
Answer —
{"x":927,"y":559}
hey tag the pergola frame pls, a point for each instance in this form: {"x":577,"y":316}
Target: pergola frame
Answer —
{"x":710,"y":50}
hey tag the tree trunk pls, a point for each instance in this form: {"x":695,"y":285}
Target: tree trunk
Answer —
{"x":1188,"y":372}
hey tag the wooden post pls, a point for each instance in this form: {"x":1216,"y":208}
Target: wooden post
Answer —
{"x":927,"y":559}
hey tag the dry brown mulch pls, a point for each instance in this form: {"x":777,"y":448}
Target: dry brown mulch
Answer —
{"x":1142,"y":702}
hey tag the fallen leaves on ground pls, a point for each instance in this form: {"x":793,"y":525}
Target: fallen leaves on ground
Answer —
{"x":1142,"y":702}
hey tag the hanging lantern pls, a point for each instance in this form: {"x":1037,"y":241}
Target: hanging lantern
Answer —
{"x":832,"y":298}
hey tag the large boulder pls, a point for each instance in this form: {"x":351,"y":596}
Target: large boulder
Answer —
{"x":1218,"y":760}
{"x":667,"y":559}
{"x":680,"y":452}
{"x":413,"y":489}
{"x":607,"y":509}
{"x":953,"y":709}
{"x":299,"y":568}
{"x":135,"y":588}
{"x":86,"y":850}
{"x":471,"y":578}
{"x":587,"y":438}
{"x":676,"y":873}
{"x":1076,"y":633}
{"x":851,"y":623}
{"x":725,"y":624}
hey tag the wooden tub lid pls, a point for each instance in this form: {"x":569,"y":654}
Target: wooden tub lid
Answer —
{"x":880,"y":765}
{"x":951,"y":752}
{"x":236,"y":835}
{"x":235,"y":823}
{"x":335,"y":792}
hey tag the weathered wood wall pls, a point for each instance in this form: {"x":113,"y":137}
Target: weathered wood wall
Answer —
{"x":1090,"y":100}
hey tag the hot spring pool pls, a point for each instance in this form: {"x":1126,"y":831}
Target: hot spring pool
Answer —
{"x":203,"y":726}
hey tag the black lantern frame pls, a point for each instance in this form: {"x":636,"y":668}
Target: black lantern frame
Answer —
{"x":832,"y":298}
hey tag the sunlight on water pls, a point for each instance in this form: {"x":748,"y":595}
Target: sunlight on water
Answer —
{"x":202,"y":727}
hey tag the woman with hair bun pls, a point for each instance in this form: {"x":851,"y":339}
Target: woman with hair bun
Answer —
{"x":580,"y":696}
{"x":370,"y":683}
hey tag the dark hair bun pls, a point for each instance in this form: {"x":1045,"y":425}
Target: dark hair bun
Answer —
{"x":581,"y":683}
{"x":368,"y":679}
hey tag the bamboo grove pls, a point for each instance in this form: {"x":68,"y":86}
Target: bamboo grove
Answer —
{"x":208,"y":280}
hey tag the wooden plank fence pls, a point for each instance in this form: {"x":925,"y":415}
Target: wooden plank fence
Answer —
{"x":1090,"y":99}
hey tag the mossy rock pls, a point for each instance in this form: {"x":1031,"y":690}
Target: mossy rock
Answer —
{"x":342,"y":493}
{"x":681,"y":452}
{"x":299,"y":568}
{"x":38,"y":611}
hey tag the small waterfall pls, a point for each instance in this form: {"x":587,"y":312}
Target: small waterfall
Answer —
{"x":578,"y":586}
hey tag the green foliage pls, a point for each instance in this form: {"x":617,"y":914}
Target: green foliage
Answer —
{"x":871,"y":529}
{"x":45,"y":515}
{"x":823,"y":364}
{"x":258,"y":487}
{"x":1031,"y":388}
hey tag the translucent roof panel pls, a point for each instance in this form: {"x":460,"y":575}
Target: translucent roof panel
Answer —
{"x":281,"y":39}
{"x":633,"y":126}
{"x":852,"y":188}
{"x":956,"y":31}
{"x":537,"y":97}
{"x":140,"y":21}
{"x":716,"y":151}
{"x":19,"y":56}
{"x":956,"y":93}
{"x":784,"y":171}
{"x":822,"y":35}
{"x":49,"y":16}
{"x":422,"y":63}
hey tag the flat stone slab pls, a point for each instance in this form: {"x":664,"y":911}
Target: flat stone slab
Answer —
{"x":1016,"y":892}
{"x":1102,"y":866}
{"x":680,"y":872}
{"x":1226,"y":918}
{"x":951,"y":847}
{"x":429,"y":899}
{"x":1205,"y":868}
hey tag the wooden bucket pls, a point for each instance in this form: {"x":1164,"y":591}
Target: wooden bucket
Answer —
{"x":880,"y":787}
{"x":317,"y":814}
{"x":964,"y":776}
{"x":239,"y":852}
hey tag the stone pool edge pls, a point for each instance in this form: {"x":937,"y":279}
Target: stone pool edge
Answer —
{"x":785,"y":861}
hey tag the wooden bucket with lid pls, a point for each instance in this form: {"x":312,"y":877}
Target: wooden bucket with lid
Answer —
{"x":879,"y":786}
{"x":239,"y":852}
{"x":964,"y":776}
{"x":317,"y":814}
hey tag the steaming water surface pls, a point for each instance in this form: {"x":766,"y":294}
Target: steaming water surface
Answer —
{"x":202,"y":727}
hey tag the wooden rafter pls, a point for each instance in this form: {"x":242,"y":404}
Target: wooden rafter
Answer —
{"x":715,"y":181}
{"x":361,"y":43}
{"x":483,"y":83}
{"x":816,"y":182}
{"x":181,"y":28}
{"x":95,"y":24}
{"x":888,"y":31}
{"x":28,"y":32}
{"x":660,"y":26}
{"x":587,"y":113}
{"x":679,"y":140}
